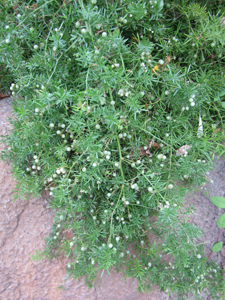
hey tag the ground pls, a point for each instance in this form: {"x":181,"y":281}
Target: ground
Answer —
{"x":25,"y":224}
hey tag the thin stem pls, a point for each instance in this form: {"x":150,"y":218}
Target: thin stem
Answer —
{"x":215,"y":243}
{"x":121,"y":158}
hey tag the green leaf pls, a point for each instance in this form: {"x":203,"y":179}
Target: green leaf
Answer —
{"x":221,"y":221}
{"x":222,"y":93}
{"x":218,"y":201}
{"x":217,"y":247}
{"x":223,"y":104}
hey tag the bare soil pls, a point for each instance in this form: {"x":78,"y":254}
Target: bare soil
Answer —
{"x":25,"y":224}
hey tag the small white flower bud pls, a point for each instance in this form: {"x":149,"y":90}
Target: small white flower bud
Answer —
{"x":83,"y":31}
{"x":77,"y":24}
{"x":170,"y":186}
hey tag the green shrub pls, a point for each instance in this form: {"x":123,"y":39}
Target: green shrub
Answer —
{"x":118,"y":107}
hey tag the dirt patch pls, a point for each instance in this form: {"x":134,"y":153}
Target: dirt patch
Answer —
{"x":24,"y":226}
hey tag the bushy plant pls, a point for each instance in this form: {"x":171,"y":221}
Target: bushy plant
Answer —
{"x":118,"y":106}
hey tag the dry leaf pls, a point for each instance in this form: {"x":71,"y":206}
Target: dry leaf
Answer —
{"x":183,"y":150}
{"x":149,"y":153}
{"x":218,"y":129}
{"x":153,"y":144}
{"x":142,"y":152}
{"x":2,"y":96}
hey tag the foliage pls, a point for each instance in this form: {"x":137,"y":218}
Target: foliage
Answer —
{"x":219,"y":202}
{"x":118,"y":106}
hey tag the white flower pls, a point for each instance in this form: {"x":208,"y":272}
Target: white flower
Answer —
{"x":160,"y":156}
{"x":138,"y":202}
{"x":121,"y":92}
{"x":94,"y":165}
{"x":112,"y":102}
{"x":104,"y":34}
{"x":149,"y":264}
{"x":117,"y":239}
{"x":84,"y":169}
{"x":150,"y":189}
{"x":69,"y":266}
{"x":97,"y":126}
{"x":110,"y":245}
{"x":170,"y":186}
{"x":160,"y":206}
{"x":120,"y":135}
{"x":83,"y":30}
{"x":68,"y":149}
{"x":77,"y":24}
{"x":94,"y":217}
{"x":192,"y":103}
{"x":7,"y":41}
{"x":7,"y":27}
{"x":35,"y":47}
{"x":71,"y":244}
{"x":116,"y":164}
{"x":167,"y":93}
{"x":127,"y":202}
{"x":161,"y":62}
{"x":199,"y":256}
{"x":187,"y":107}
{"x":82,"y":248}
{"x":93,"y":1}
{"x":51,"y":125}
{"x":127,"y":94}
{"x":142,"y":242}
{"x":108,"y":195}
